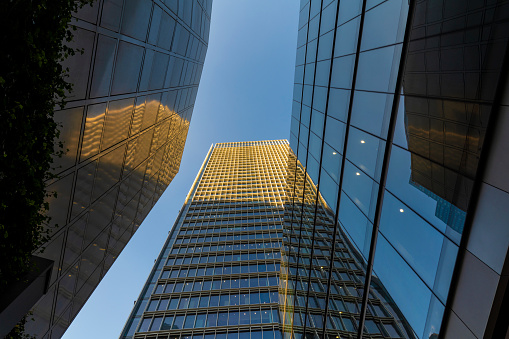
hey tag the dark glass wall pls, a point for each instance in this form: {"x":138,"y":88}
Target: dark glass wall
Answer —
{"x":124,"y":130}
{"x":392,"y":101}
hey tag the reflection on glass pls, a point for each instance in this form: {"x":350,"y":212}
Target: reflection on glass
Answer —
{"x":93,"y":130}
{"x":320,"y":261}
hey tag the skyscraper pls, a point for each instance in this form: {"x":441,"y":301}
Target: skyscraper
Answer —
{"x":124,"y":129}
{"x":220,"y":264}
{"x":399,"y":117}
{"x":395,"y":212}
{"x":236,"y":262}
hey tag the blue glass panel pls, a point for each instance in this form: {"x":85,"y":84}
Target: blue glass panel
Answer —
{"x":346,"y":38}
{"x":136,"y":18}
{"x":328,"y":19}
{"x":233,"y":318}
{"x":189,"y":323}
{"x":406,"y":289}
{"x":168,"y":320}
{"x":342,"y":72}
{"x":335,"y":134}
{"x":244,"y":318}
{"x":329,"y":189}
{"x":358,"y":227}
{"x":429,"y":188}
{"x":378,"y":69}
{"x":331,"y":162}
{"x":144,"y":324}
{"x":360,"y":188}
{"x":179,"y":322}
{"x":418,"y":242}
{"x":338,"y":103}
{"x":325,"y":46}
{"x":348,"y":10}
{"x":315,"y":145}
{"x":222,"y":319}
{"x":200,"y":320}
{"x":384,"y":24}
{"x":211,"y":319}
{"x":322,"y":74}
{"x":366,"y":152}
{"x":256,"y":317}
{"x":371,"y":112}
{"x":320,"y":98}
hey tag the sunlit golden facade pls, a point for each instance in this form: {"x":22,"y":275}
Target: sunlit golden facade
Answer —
{"x":124,"y":130}
{"x":250,"y":257}
{"x":218,"y":272}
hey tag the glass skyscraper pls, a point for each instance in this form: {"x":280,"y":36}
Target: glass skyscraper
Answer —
{"x":236,"y":262}
{"x":394,"y":206}
{"x":399,"y":116}
{"x":218,"y":271}
{"x":124,"y":130}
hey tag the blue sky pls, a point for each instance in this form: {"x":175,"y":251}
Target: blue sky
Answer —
{"x":245,"y":94}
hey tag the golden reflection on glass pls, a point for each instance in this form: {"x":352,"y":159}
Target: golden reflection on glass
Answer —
{"x":151,"y":109}
{"x":93,"y":130}
{"x":70,"y":121}
{"x":118,"y":119}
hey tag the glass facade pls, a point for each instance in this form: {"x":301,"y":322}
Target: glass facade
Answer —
{"x":393,"y":198}
{"x":324,"y":273}
{"x":392,"y":104}
{"x":124,"y":130}
{"x":218,"y":273}
{"x":245,"y":259}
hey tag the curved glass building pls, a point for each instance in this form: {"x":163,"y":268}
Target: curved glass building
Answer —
{"x":124,"y":129}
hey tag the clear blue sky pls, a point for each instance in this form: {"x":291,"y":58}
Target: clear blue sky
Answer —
{"x":245,"y":94}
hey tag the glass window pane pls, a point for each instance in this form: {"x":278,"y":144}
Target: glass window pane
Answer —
{"x":179,"y":322}
{"x":156,"y":324}
{"x":408,"y":291}
{"x":233,"y":318}
{"x":244,"y":318}
{"x":378,"y":69}
{"x":144,"y":325}
{"x":211,"y":319}
{"x":168,"y":320}
{"x":222,"y":319}
{"x":189,"y":323}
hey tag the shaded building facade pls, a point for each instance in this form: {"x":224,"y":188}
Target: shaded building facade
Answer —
{"x":124,"y":129}
{"x":399,"y":116}
{"x":243,"y":259}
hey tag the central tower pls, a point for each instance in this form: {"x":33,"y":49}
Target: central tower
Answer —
{"x":218,"y":273}
{"x":254,"y":254}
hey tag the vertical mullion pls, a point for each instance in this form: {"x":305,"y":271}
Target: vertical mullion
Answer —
{"x":333,"y":242}
{"x":385,"y":167}
{"x":345,"y":143}
{"x":319,"y":166}
{"x":296,"y":174}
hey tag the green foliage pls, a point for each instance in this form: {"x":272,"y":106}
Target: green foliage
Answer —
{"x":32,"y":83}
{"x":18,"y":332}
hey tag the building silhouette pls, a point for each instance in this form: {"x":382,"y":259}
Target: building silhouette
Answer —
{"x":124,"y":129}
